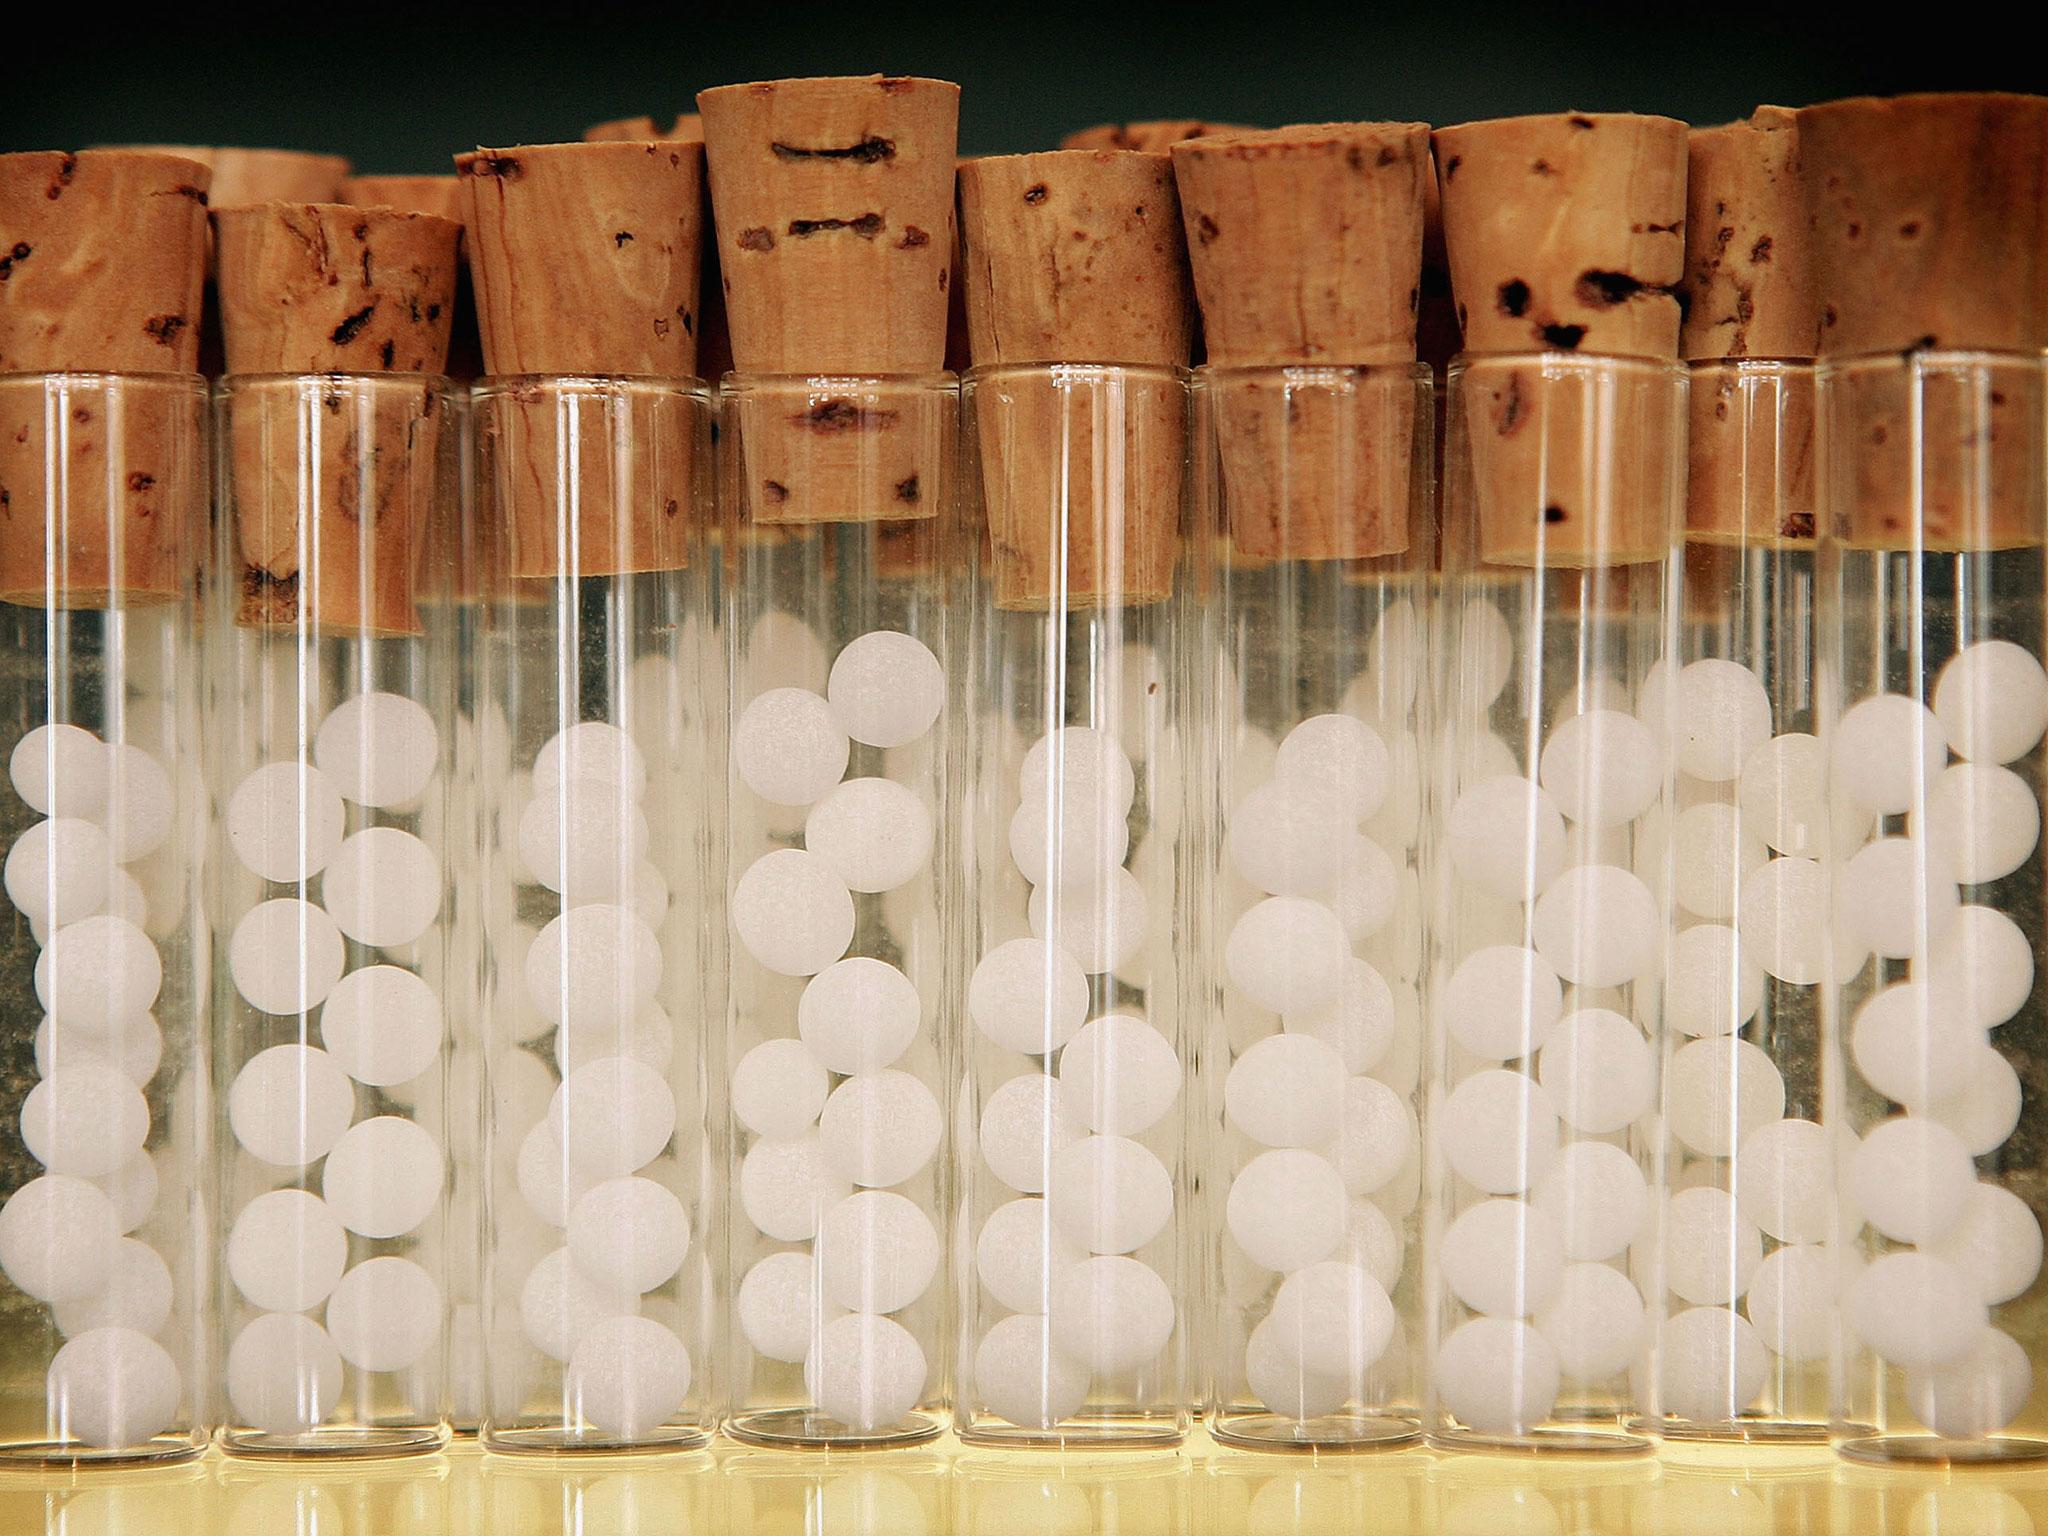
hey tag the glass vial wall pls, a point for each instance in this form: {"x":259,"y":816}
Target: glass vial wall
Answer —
{"x":1316,"y":490}
{"x":600,"y":730}
{"x":1560,"y":525}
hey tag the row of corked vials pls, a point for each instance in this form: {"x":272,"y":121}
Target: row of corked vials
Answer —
{"x":1157,"y":922}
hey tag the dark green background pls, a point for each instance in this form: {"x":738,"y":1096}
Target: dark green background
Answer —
{"x":401,"y":89}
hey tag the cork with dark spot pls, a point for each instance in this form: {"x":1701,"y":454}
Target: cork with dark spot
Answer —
{"x":1564,"y":233}
{"x":688,"y":127}
{"x":834,"y":203}
{"x":1306,"y":245}
{"x":102,"y":260}
{"x":1751,"y":450}
{"x":1156,"y":135}
{"x":1077,"y":256}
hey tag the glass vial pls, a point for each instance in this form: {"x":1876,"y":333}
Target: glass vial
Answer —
{"x":105,"y":1255}
{"x":1566,"y":474}
{"x":600,"y":731}
{"x":1317,"y":493}
{"x":328,"y":776}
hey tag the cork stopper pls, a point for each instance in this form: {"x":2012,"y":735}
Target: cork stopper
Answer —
{"x":1155,"y":136}
{"x":1749,"y":279}
{"x":440,"y":196}
{"x":1751,"y":447}
{"x":688,"y":127}
{"x":245,"y":176}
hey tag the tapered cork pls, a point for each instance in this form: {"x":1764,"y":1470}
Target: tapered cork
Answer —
{"x":102,"y":259}
{"x":688,"y":126}
{"x":440,"y":196}
{"x":1749,"y":275}
{"x":1157,"y":135}
{"x":245,"y":176}
{"x":1751,"y":447}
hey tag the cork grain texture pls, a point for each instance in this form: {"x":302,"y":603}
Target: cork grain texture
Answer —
{"x":1749,"y":285}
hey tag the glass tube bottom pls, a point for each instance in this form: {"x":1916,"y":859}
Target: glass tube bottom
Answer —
{"x":1106,"y":1432}
{"x":355,"y":1443}
{"x":1746,"y":1431}
{"x":1332,"y":1432}
{"x":46,"y":1454}
{"x":806,"y":1428}
{"x":1934,"y":1451}
{"x":553,"y":1440}
{"x":1545,"y":1442}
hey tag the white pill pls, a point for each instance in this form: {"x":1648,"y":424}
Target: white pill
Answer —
{"x":861,"y":1014}
{"x":57,"y":871}
{"x":1112,"y":1314}
{"x":1711,"y":1365}
{"x":57,"y":1238}
{"x":1109,"y":1194}
{"x":378,"y":749}
{"x":1598,"y":1070}
{"x":137,"y":1294}
{"x":1022,"y":1378}
{"x":865,"y":1371}
{"x":1084,"y":762}
{"x":1027,"y":995}
{"x":289,"y":1105}
{"x":781,"y":648}
{"x":876,"y":1252}
{"x":86,"y":1119}
{"x":550,"y":1181}
{"x":628,"y":1234}
{"x":1712,"y":854}
{"x":1502,"y":1002}
{"x":627,"y":1377}
{"x":1023,"y":1128}
{"x":382,"y":887}
{"x":614,"y":1115}
{"x":1073,"y":840}
{"x":1986,"y":1111}
{"x":585,"y":841}
{"x":559,"y":1304}
{"x":880,"y":1128}
{"x":133,"y":1189}
{"x":1714,"y":987}
{"x":1287,"y":1209}
{"x":1370,"y":890}
{"x":1394,"y":656}
{"x":1997,"y":1242}
{"x":1604,"y":768}
{"x":1498,"y":1131}
{"x":1978,"y":1393}
{"x":788,"y":747}
{"x":1118,"y":1075}
{"x":1911,"y":1047}
{"x":1719,"y":1089}
{"x":1506,"y":836}
{"x":1339,"y":759}
{"x":1359,"y":1024}
{"x":1101,"y":926}
{"x":1914,"y":1309}
{"x":1710,"y":1250}
{"x":284,"y":1374}
{"x":1594,"y":1320}
{"x":140,"y":804}
{"x":385,"y":1315}
{"x":1502,"y":1258}
{"x":98,"y":973}
{"x":111,"y":1387}
{"x":1986,"y":818}
{"x":1277,"y":1379}
{"x":1372,"y":1242}
{"x":286,"y":1251}
{"x":886,"y":689}
{"x":1497,"y":1375}
{"x":285,"y":820}
{"x":1287,"y":954}
{"x":1887,"y":752}
{"x":1484,"y":654}
{"x":382,"y":1025}
{"x":285,"y":956}
{"x":1911,"y":1177}
{"x":1898,"y":895}
{"x":779,"y":1307}
{"x":792,"y":912}
{"x":1018,"y":1253}
{"x":1597,"y":925}
{"x":1791,"y":1301}
{"x":594,"y":751}
{"x":1783,"y":793}
{"x":874,"y":834}
{"x":1721,"y":714}
{"x":1784,"y":920}
{"x":383,"y":1178}
{"x":1287,"y":837}
{"x":594,"y":968}
{"x":778,"y":1088}
{"x":1286,"y":1091}
{"x":1992,"y":701}
{"x":1376,"y":1135}
{"x":1785,"y":1178}
{"x":1983,"y":965}
{"x":1596,"y":1198}
{"x":61,"y":770}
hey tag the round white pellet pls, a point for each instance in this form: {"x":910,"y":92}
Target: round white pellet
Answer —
{"x":1502,"y":1002}
{"x":778,"y":1088}
{"x":1393,"y":661}
{"x":1111,"y":1313}
{"x":1118,"y":1075}
{"x":1986,"y":818}
{"x":628,"y":1234}
{"x":285,"y":955}
{"x":1887,"y":751}
{"x":788,"y":748}
{"x":1373,"y":1244}
{"x":1712,"y":854}
{"x":595,"y":751}
{"x":285,"y":820}
{"x":1598,"y":1070}
{"x":1287,"y":1209}
{"x":1359,"y":1024}
{"x":86,"y":1120}
{"x":58,"y":1237}
{"x":1287,"y":837}
{"x":1018,"y":1253}
{"x":286,"y":1251}
{"x":1109,"y":1194}
{"x":61,"y":770}
{"x":1911,"y":1047}
{"x":1596,"y":1198}
{"x":1717,"y":1090}
{"x":779,"y":1308}
{"x":57,"y":871}
{"x":874,"y":834}
{"x":137,"y":1294}
{"x":1027,"y":995}
{"x":1791,"y":1301}
{"x":1277,"y":1379}
{"x":1997,"y":1242}
{"x":792,"y":912}
{"x":1983,"y":965}
{"x":1497,"y":1375}
{"x":1783,"y":793}
{"x":1376,"y":1135}
{"x":1286,"y":1091}
{"x":1368,"y":890}
{"x":1721,"y":714}
{"x":99,"y":972}
{"x":1977,"y":1394}
{"x":385,"y":1314}
{"x":1604,"y":768}
{"x":1334,"y":1318}
{"x":865,"y":1371}
{"x":1506,"y":836}
{"x":550,"y":1181}
{"x":283,"y":1374}
{"x":1085,"y":762}
{"x":594,"y":968}
{"x":1073,"y":841}
{"x":382,"y":887}
{"x":1498,"y":1131}
{"x":1710,"y":1250}
{"x":1484,"y":653}
{"x":111,"y":1387}
{"x":1594,"y":1321}
{"x":780,"y":649}
{"x":627,"y":1377}
{"x":559,"y":1304}
{"x":1911,"y":1177}
{"x":383,"y":1178}
{"x":880,"y":1128}
{"x":1340,"y":760}
{"x":1502,"y":1258}
{"x":289,"y":1105}
{"x":1101,"y":926}
{"x":1597,"y":925}
{"x":378,"y":749}
{"x":133,"y":1189}
{"x":1784,"y":920}
{"x":1023,"y":1128}
{"x":886,"y":688}
{"x":140,"y":803}
{"x":382,"y":1025}
{"x":1986,"y":1112}
{"x":1711,"y":1365}
{"x":1992,"y":701}
{"x":614,"y":1114}
{"x":1022,"y":1378}
{"x":585,"y":841}
{"x":1287,"y":954}
{"x":1714,"y":987}
{"x":861,"y":1014}
{"x":1898,"y":895}
{"x":876,"y":1252}
{"x":1914,"y":1309}
{"x":1785,"y":1180}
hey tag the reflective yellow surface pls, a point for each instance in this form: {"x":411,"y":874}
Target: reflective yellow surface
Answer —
{"x":952,"y":1491}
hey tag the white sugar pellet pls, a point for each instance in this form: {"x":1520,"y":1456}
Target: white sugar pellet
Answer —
{"x":1710,"y":1250}
{"x":1506,"y":836}
{"x":1286,"y":1091}
{"x":382,"y":887}
{"x":61,"y":770}
{"x":98,"y":973}
{"x":1887,"y":752}
{"x":285,"y":820}
{"x":1997,"y":1242}
{"x":780,"y":650}
{"x":1287,"y":1209}
{"x":614,"y":1114}
{"x":1911,"y":1047}
{"x":880,"y":1128}
{"x":1109,"y":1194}
{"x":1712,"y":854}
{"x":627,"y":1377}
{"x":85,"y":1119}
{"x":1978,"y":1393}
{"x":1118,"y":1075}
{"x":1018,"y":1253}
{"x":861,"y":1014}
{"x":1596,"y":1197}
{"x":1023,"y":1127}
{"x":1604,"y":768}
{"x":1992,"y":701}
{"x":1783,"y":793}
{"x":1027,"y":995}
{"x":1359,"y":1024}
{"x":286,"y":1251}
{"x":1914,"y":1309}
{"x":788,"y":747}
{"x":385,"y":1315}
{"x":133,"y":1189}
{"x":594,"y":967}
{"x":1711,"y":1365}
{"x":1497,"y":1375}
{"x":1791,"y":1301}
{"x":778,"y":1088}
{"x":1598,"y":1070}
{"x":1084,"y":762}
{"x":1376,"y":1134}
{"x":1022,"y":1378}
{"x":559,"y":1304}
{"x":383,"y":1178}
{"x":378,"y":749}
{"x":1597,"y":925}
{"x":1277,"y":1379}
{"x":1372,"y":1242}
{"x":382,"y":1025}
{"x":1783,"y":920}
{"x":285,"y":956}
{"x":1717,"y":1090}
{"x":1102,"y":926}
{"x":112,"y":1387}
{"x":886,"y":688}
{"x":137,"y":1294}
{"x":628,"y":1234}
{"x":1484,"y":655}
{"x":874,"y":834}
{"x":284,"y":1375}
{"x":1985,"y":818}
{"x":585,"y":841}
{"x":1721,"y":714}
{"x":592,"y":751}
{"x":57,"y":1238}
{"x":1339,"y":760}
{"x":1286,"y":837}
{"x":1502,"y":1258}
{"x":58,"y":870}
{"x":1785,"y":1178}
{"x":1394,"y":655}
{"x":140,"y":804}
{"x":779,"y":1307}
{"x":1111,"y":1313}
{"x":1498,"y":1131}
{"x":550,"y":1181}
{"x":792,"y":913}
{"x":1072,"y":841}
{"x":1714,"y":987}
{"x":289,"y":1105}
{"x":876,"y":1252}
{"x":865,"y":1371}
{"x":1911,"y":1177}
{"x":1983,"y":965}
{"x":1898,"y":895}
{"x":1287,"y":954}
{"x":1369,"y":890}
{"x":1986,"y":1111}
{"x":1594,"y":1320}
{"x":1502,"y":1002}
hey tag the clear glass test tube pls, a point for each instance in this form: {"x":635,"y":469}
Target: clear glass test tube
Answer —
{"x":105,"y":1248}
{"x":1317,"y":490}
